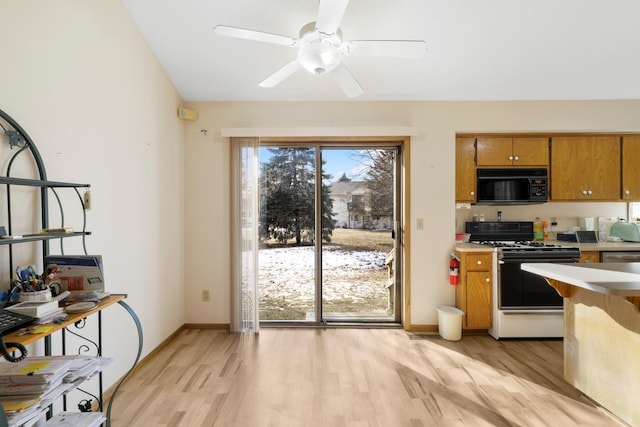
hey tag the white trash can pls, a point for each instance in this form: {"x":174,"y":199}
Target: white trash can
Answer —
{"x":450,"y":323}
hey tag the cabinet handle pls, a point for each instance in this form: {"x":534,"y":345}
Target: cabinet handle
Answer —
{"x":589,"y":192}
{"x":488,"y":279}
{"x":510,"y":157}
{"x":479,"y":262}
{"x":473,"y":193}
{"x":627,"y":192}
{"x":584,"y":192}
{"x":517,"y":157}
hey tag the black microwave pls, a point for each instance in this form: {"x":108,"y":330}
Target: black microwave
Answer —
{"x":511,"y":186}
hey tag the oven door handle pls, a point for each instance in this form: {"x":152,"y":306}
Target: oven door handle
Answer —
{"x":540,"y":260}
{"x":623,"y":258}
{"x":525,"y":311}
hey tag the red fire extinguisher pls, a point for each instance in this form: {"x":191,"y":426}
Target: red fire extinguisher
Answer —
{"x":454,"y":266}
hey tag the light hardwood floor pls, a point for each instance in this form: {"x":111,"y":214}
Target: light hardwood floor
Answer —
{"x":352,"y":377}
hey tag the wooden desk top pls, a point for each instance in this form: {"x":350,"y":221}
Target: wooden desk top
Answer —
{"x":72,"y":318}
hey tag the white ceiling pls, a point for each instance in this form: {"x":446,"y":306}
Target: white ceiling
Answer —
{"x":477,"y":49}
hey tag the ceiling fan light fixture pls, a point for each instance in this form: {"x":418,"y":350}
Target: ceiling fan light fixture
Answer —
{"x":321,"y":47}
{"x":320,"y":53}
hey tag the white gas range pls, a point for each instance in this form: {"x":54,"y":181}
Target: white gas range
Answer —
{"x":524,"y":305}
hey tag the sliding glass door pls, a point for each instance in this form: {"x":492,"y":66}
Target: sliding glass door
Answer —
{"x":325,"y":221}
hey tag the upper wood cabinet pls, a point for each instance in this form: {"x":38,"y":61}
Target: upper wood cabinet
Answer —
{"x":465,"y":170}
{"x":631,"y":167}
{"x":585,"y":168}
{"x":516,"y":151}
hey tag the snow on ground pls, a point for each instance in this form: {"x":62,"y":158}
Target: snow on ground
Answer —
{"x":287,"y":274}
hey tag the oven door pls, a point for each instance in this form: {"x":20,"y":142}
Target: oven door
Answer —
{"x":520,"y":290}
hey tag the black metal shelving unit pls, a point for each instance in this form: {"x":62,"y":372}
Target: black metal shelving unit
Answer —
{"x":21,"y":142}
{"x":19,"y":139}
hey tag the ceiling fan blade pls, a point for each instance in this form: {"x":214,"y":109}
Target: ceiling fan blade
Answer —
{"x":242,"y":33}
{"x":346,"y":81}
{"x":330,"y":14}
{"x":392,"y":48}
{"x":281,"y":74}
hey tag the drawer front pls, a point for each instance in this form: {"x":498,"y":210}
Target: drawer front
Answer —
{"x":478,"y":262}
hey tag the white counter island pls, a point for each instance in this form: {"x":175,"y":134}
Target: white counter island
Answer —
{"x":601,"y":331}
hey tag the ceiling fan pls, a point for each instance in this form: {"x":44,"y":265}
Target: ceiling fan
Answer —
{"x":321,"y":47}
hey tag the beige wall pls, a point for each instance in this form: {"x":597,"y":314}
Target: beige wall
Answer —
{"x":83,"y":83}
{"x":432,"y":178}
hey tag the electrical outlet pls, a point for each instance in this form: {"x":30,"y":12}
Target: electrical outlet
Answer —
{"x":205,"y":295}
{"x":420,"y":224}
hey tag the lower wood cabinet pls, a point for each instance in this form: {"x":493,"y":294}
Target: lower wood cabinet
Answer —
{"x":589,"y":256}
{"x":473,"y":293}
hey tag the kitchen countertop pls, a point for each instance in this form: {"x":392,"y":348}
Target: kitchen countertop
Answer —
{"x":600,"y":246}
{"x":622,"y":279}
{"x":472,"y":247}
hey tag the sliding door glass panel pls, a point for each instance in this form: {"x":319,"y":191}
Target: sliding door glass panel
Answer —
{"x":287,"y":254}
{"x":358,"y":253}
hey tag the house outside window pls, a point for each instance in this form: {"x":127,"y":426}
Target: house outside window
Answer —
{"x":351,"y":207}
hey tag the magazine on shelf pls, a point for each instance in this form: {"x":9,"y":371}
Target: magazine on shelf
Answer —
{"x":34,"y":370}
{"x":78,"y":272}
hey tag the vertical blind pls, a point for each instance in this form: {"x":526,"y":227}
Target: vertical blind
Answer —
{"x":244,"y":216}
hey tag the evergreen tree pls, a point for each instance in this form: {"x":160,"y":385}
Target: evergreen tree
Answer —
{"x":287,"y":197}
{"x":344,"y":178}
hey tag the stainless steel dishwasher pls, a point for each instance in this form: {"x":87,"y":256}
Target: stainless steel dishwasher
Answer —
{"x":620,"y":256}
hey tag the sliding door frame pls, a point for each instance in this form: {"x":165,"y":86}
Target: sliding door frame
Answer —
{"x":403,"y":292}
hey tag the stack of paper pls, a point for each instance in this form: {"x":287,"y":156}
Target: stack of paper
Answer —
{"x":33,"y":370}
{"x":76,"y":419}
{"x":27,"y":388}
{"x":33,"y":308}
{"x":84,"y":367}
{"x":44,"y":312}
{"x":50,"y":316}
